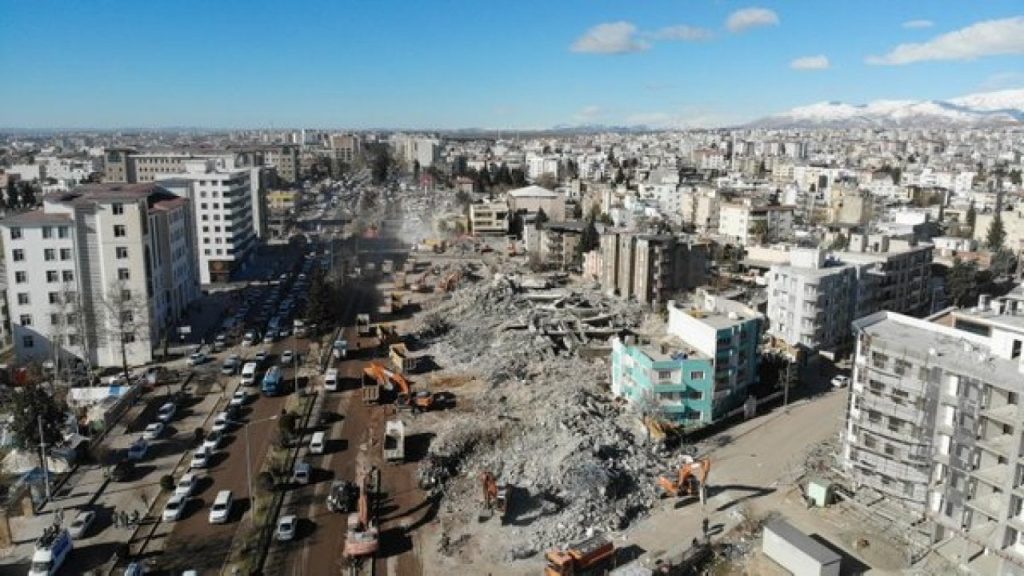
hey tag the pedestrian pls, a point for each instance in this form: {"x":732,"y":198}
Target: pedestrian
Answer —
{"x":704,"y":527}
{"x":124,"y":519}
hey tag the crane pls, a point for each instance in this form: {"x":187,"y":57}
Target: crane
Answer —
{"x":691,"y":478}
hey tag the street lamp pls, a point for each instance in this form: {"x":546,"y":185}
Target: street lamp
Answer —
{"x":248,"y":458}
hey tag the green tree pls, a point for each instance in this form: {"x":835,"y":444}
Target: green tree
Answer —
{"x":381,"y":163}
{"x":167,"y":482}
{"x":961,"y":280}
{"x":416,"y":171}
{"x":319,"y":307}
{"x":996,"y":234}
{"x":840,"y":242}
{"x":28,"y":405}
{"x":463,"y":198}
{"x":972,"y":217}
{"x":759,"y":230}
{"x":620,"y":177}
{"x":589,"y":240}
{"x":540,"y":219}
{"x":1003,"y":263}
{"x":547,"y":180}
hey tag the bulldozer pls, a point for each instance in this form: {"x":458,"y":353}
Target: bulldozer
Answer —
{"x":495,"y":498}
{"x":595,"y":555}
{"x":691,"y":478}
{"x":363,"y":538}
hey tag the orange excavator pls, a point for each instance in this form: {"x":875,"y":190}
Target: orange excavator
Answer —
{"x":421,"y":400}
{"x":690,"y":479}
{"x":595,"y":555}
{"x":495,"y":497}
{"x":362,"y":539}
{"x":449,"y":282}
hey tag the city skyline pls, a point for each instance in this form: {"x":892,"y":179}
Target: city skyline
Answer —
{"x":663,"y":64}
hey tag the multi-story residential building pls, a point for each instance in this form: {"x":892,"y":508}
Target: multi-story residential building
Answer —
{"x":650,"y":268}
{"x":813,"y":298}
{"x":747,"y":223}
{"x":99,"y":269}
{"x":699,"y":370}
{"x":345,"y":147}
{"x":489,"y":218}
{"x":221,"y":199}
{"x":935,"y":423}
{"x":700,"y":209}
{"x":285,"y":158}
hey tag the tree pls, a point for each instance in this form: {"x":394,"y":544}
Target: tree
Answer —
{"x":547,"y":180}
{"x":381,"y":163}
{"x":540,"y":219}
{"x":759,"y":230}
{"x":463,"y":198}
{"x":960,"y":281}
{"x":167,"y":482}
{"x":972,"y":217}
{"x":416,"y":170}
{"x":321,"y":296}
{"x":127,"y":318}
{"x":619,"y":176}
{"x":1003,"y":263}
{"x":28,"y":406}
{"x":265,"y":481}
{"x":996,"y":234}
{"x":589,"y":240}
{"x":840,"y":242}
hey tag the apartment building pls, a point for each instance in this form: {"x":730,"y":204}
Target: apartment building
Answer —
{"x":489,"y":218}
{"x":650,"y":268}
{"x":700,"y":369}
{"x":345,"y":147}
{"x":700,"y":208}
{"x":98,"y":267}
{"x":935,"y":423}
{"x":747,"y":223}
{"x":221,"y":200}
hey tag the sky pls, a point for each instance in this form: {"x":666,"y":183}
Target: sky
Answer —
{"x":445,"y":64}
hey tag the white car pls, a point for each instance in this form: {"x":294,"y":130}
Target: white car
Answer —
{"x":201,"y":458}
{"x":249,"y":339}
{"x":186,"y":484}
{"x":231,"y":364}
{"x":221,"y":509}
{"x":196,"y":359}
{"x":239,"y":398}
{"x":153,"y":431}
{"x":175,"y":507}
{"x":80,"y":525}
{"x":213,"y":440}
{"x":840,"y":381}
{"x":286,"y":528}
{"x":286,"y":357}
{"x":220,"y":422}
{"x":166,"y":412}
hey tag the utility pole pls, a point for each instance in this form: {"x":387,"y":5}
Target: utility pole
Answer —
{"x":248,"y":474}
{"x":787,"y":378}
{"x":42,"y":457}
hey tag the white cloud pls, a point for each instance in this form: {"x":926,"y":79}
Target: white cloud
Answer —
{"x":1002,"y":81}
{"x":748,"y":18}
{"x":588,"y":113}
{"x":610,"y":38}
{"x":683,"y":32}
{"x":912,"y":24}
{"x":685,"y":118}
{"x":819,"y":62}
{"x":986,"y":38}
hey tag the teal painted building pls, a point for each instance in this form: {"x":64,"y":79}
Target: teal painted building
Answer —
{"x":679,"y":379}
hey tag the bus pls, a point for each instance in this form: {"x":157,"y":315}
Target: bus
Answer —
{"x":273,"y":383}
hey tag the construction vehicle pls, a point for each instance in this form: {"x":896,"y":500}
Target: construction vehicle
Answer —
{"x":386,"y":334}
{"x":435,"y":245}
{"x":362,"y":539}
{"x":340,"y":496}
{"x":373,"y":378}
{"x":394,"y":441}
{"x":495,"y":497}
{"x":363,"y":324}
{"x":690,"y":479}
{"x":449,"y":282}
{"x":593,"y":556}
{"x":405,"y":398}
{"x":400,"y":283}
{"x":400,"y":358}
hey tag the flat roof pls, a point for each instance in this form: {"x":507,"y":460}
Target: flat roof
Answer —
{"x":809,"y":546}
{"x":36,"y":218}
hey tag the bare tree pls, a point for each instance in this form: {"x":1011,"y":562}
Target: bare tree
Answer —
{"x":127,"y":317}
{"x":652,"y":413}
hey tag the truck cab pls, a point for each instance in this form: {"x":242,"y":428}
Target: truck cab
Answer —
{"x":51,"y":550}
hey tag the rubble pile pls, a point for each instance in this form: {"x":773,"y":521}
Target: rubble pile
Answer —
{"x":543,"y":422}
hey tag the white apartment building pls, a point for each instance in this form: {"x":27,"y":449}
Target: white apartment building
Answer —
{"x":489,"y":218}
{"x":537,"y":166}
{"x":668,"y":197}
{"x":743,"y":222}
{"x":222,"y":202}
{"x":935,"y":424}
{"x":95,"y":263}
{"x":701,"y":208}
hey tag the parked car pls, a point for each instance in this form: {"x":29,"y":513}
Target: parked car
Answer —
{"x":196,"y":358}
{"x":287,"y":357}
{"x":174,"y":507}
{"x":286,"y":528}
{"x":166,"y":412}
{"x":239,"y":398}
{"x":302,"y":473}
{"x":840,"y":381}
{"x":230,"y":365}
{"x":201,"y":458}
{"x":220,"y":422}
{"x":261,"y":357}
{"x":153,"y":431}
{"x":213,"y":440}
{"x":221,"y":509}
{"x":249,"y":338}
{"x":81,"y":524}
{"x":138,"y":449}
{"x":186,"y":484}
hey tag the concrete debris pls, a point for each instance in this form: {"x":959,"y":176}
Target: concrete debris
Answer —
{"x":541,"y":419}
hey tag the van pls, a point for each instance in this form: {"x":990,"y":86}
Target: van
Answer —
{"x":249,"y":374}
{"x":221,"y":509}
{"x":302,"y":473}
{"x":331,"y":380}
{"x":317,"y":442}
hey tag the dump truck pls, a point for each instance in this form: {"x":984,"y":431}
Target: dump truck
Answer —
{"x":400,"y":358}
{"x":373,"y":379}
{"x":363,"y":324}
{"x":394,"y":441}
{"x":595,"y":555}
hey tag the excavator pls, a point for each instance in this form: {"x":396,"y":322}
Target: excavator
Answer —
{"x":594,"y":555}
{"x":449,"y":282}
{"x":362,"y":539}
{"x":495,"y":497}
{"x":421,"y":400}
{"x":690,"y":479}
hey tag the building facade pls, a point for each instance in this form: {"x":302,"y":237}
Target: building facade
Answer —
{"x":489,"y":218}
{"x":99,"y":269}
{"x":650,"y":268}
{"x":747,"y":223}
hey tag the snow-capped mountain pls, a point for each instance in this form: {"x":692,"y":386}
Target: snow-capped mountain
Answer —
{"x":988,"y":109}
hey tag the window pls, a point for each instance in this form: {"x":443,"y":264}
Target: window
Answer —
{"x":123,"y":274}
{"x":51,"y":276}
{"x":127,"y":316}
{"x":49,"y":254}
{"x":128,"y":337}
{"x":47,"y":232}
{"x":15,"y":233}
{"x":120,"y":231}
{"x":23,"y":298}
{"x":54,"y":319}
{"x":117,"y":208}
{"x":54,"y":298}
{"x":121,"y":252}
{"x":74,"y":340}
{"x":62,"y":232}
{"x":126,"y":295}
{"x":28,"y":341}
{"x":25,"y":320}
{"x":71,"y":319}
{"x":206,"y":228}
{"x":697,"y":375}
{"x":207,"y":251}
{"x":202,"y":205}
{"x":67,"y":276}
{"x":65,"y":253}
{"x":205,"y":217}
{"x":20,"y":277}
{"x":17,"y":254}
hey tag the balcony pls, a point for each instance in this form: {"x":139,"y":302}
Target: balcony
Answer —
{"x":990,"y":505}
{"x":1006,"y":414}
{"x":993,"y":475}
{"x":1002,"y":444}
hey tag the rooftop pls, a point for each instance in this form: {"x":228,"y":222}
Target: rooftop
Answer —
{"x":533,"y":191}
{"x":35,"y":218}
